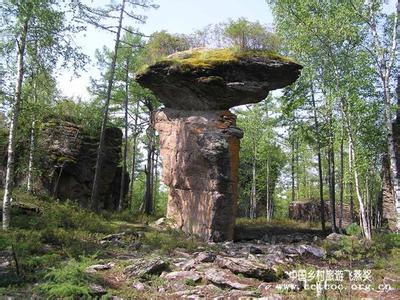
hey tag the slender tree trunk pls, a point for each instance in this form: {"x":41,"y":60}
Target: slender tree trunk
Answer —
{"x":293,"y":172}
{"x":351,"y":199}
{"x":368,"y":201}
{"x":321,"y":179}
{"x":9,"y":184}
{"x":135,"y":134}
{"x":155,"y":176}
{"x":363,"y":219}
{"x":148,"y":202}
{"x":341,"y":182}
{"x":269,"y":206}
{"x":94,"y":201}
{"x":253,"y":198}
{"x":122,"y":188}
{"x":331,"y":169}
{"x":297,"y":171}
{"x":29,"y":185}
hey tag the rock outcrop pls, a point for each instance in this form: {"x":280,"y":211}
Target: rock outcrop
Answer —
{"x":68,"y":162}
{"x":199,"y":139}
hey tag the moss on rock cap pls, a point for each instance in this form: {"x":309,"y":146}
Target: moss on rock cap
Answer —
{"x":206,"y":79}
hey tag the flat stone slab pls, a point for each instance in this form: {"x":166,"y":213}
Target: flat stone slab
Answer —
{"x":217,"y":79}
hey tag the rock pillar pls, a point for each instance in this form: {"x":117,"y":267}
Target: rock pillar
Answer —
{"x":200,"y":154}
{"x":198,"y":134}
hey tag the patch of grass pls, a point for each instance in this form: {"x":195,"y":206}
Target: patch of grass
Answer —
{"x":281,"y":223}
{"x":168,"y":241}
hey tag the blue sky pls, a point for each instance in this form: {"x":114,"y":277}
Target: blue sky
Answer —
{"x":175,"y":16}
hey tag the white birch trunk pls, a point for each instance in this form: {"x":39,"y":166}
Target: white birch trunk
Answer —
{"x":13,"y":127}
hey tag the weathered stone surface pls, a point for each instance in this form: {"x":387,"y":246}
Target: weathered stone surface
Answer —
{"x":224,"y":278}
{"x":218,"y":79}
{"x":97,"y":290}
{"x":200,"y":157}
{"x":247,"y":268}
{"x":99,"y":267}
{"x":182,"y":275}
{"x":69,"y":161}
{"x":202,"y":257}
{"x":141,"y":267}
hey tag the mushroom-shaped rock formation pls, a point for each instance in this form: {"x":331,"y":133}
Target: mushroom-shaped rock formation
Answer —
{"x":199,"y":139}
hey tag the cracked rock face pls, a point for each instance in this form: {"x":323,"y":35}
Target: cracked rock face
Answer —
{"x":200,"y":152}
{"x":202,"y":79}
{"x":199,"y":140}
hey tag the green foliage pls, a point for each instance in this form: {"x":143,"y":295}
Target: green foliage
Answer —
{"x":247,"y":35}
{"x":85,"y":114}
{"x":70,"y":279}
{"x":259,"y":145}
{"x":354,"y":229}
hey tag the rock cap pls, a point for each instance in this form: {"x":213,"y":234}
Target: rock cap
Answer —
{"x":217,"y":79}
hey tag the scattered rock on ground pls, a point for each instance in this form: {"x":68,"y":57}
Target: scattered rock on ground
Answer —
{"x":334,"y":237}
{"x":95,"y":268}
{"x":314,"y":250}
{"x":141,"y":267}
{"x":182,"y":275}
{"x":247,"y":268}
{"x":139,"y":286}
{"x":224,"y":278}
{"x":97,"y":290}
{"x":202,"y":257}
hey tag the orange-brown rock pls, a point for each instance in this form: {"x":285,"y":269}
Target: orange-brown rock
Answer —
{"x":200,"y":153}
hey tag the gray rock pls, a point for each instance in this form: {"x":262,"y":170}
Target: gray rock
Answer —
{"x":224,"y":278}
{"x":142,"y":267}
{"x":139,"y":286}
{"x":316,"y":251}
{"x":95,"y":268}
{"x":182,"y":275}
{"x":202,"y":257}
{"x":255,"y":250}
{"x":247,"y":268}
{"x":334,"y":237}
{"x":97,"y":290}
